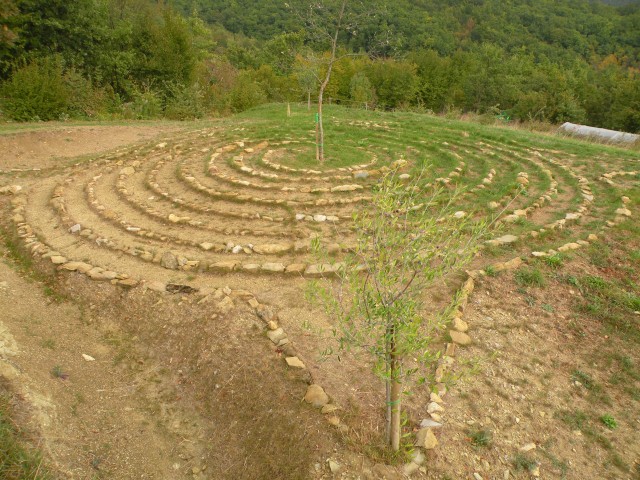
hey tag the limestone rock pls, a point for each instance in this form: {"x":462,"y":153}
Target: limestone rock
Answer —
{"x":273,"y":267}
{"x":460,"y":325}
{"x":625,"y":212}
{"x":296,"y":268}
{"x":58,"y":260}
{"x":504,"y":240}
{"x":346,"y":188}
{"x":276,"y":335}
{"x":460,"y":338}
{"x":226,"y":266}
{"x":426,"y":439}
{"x":513,"y":264}
{"x":316,"y":396}
{"x":169,"y":261}
{"x":295,"y":362}
{"x":272,"y":248}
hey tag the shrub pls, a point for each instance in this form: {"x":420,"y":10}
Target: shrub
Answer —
{"x":245,"y":94}
{"x":145,"y":104}
{"x":37,"y":91}
{"x":184,"y":102}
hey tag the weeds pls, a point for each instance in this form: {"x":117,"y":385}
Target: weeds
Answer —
{"x":609,"y":421}
{"x":554,"y":261}
{"x":58,"y":372}
{"x":530,"y":277}
{"x":480,"y":438}
{"x":18,"y":460}
{"x":522,"y":462}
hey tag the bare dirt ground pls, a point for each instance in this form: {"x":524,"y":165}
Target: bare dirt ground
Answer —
{"x":44,"y":149}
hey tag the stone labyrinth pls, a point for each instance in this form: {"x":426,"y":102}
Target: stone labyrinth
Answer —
{"x":200,"y":209}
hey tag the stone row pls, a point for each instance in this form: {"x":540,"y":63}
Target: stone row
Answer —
{"x":608,"y":177}
{"x":129,"y":198}
{"x":278,"y":167}
{"x":175,"y":260}
{"x":214,"y":171}
{"x":194,"y":183}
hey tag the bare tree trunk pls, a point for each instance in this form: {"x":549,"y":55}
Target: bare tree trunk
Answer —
{"x":320,"y":139}
{"x":309,"y":100}
{"x":323,"y":86}
{"x":395,"y":402}
{"x":288,"y":109}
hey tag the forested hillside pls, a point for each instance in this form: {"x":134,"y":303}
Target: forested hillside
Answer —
{"x":527,"y":60}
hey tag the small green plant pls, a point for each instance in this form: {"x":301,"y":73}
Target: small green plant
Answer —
{"x":609,"y":421}
{"x":522,"y":462}
{"x":548,"y":308}
{"x":491,"y":271}
{"x":49,"y":343}
{"x":480,"y":438}
{"x":584,"y":378}
{"x":58,"y":372}
{"x":530,"y":277}
{"x":553,"y":261}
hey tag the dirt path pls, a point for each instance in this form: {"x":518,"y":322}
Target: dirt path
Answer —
{"x":47,"y":149}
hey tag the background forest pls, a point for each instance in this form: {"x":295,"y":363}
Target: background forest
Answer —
{"x":527,"y":60}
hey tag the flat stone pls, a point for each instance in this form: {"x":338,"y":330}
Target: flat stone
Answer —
{"x":253,"y":303}
{"x":272,"y":248}
{"x":434,"y":408}
{"x":296,"y":268}
{"x":316,"y":396}
{"x":76,"y":228}
{"x":434,"y":397}
{"x":528,"y":447}
{"x":460,"y":338}
{"x":430,"y":423}
{"x":334,"y":466}
{"x":460,"y":325}
{"x":295,"y":362}
{"x":505,"y":240}
{"x":513,"y":264}
{"x":273,"y":267}
{"x":276,"y":335}
{"x":88,"y":358}
{"x":58,"y":260}
{"x":625,"y":212}
{"x":226,"y":266}
{"x":320,"y":270}
{"x":77,"y":266}
{"x":346,"y":188}
{"x":426,"y":439}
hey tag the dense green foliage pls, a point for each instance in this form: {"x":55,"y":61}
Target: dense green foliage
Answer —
{"x":543,"y":60}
